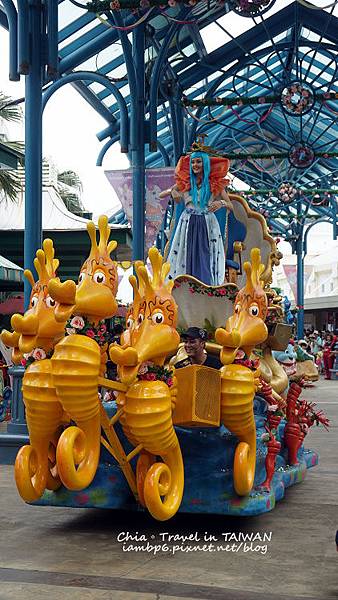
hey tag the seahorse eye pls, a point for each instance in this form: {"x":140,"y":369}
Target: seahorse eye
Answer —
{"x":50,"y":302}
{"x":238,"y":308}
{"x":254,"y":310}
{"x":157,"y":318}
{"x":34,"y":301}
{"x":140,"y":318}
{"x":99,"y":277}
{"x":130,"y":323}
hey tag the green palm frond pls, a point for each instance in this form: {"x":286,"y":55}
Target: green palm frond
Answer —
{"x":19,"y":146}
{"x":8,"y":111}
{"x":71,"y":179}
{"x":70,"y":189}
{"x":71,"y":201}
{"x":10,"y":186}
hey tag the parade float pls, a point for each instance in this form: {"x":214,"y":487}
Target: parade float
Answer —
{"x":196,"y":439}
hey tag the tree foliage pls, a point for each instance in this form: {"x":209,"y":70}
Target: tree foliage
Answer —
{"x":70,"y":189}
{"x":10,"y":185}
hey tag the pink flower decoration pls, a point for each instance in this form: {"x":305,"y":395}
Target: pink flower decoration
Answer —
{"x":39,"y":354}
{"x":90,"y":333}
{"x":210,"y":294}
{"x":77,"y":322}
{"x":222,"y":292}
{"x":70,"y":330}
{"x":151,"y":377}
{"x":103,"y":328}
{"x":23,"y":362}
{"x":169,"y":381}
{"x":191,"y":290}
{"x":143,"y":369}
{"x":172,"y":2}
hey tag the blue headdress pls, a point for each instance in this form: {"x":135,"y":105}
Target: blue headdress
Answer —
{"x":205,"y":191}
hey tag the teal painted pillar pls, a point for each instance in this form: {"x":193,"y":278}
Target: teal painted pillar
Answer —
{"x":33,"y":140}
{"x":300,"y":282}
{"x":137,"y":142}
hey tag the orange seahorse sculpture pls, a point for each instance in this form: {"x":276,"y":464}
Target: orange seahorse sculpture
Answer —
{"x":38,"y":332}
{"x":78,"y":360}
{"x":125,"y":340}
{"x":148,"y":404}
{"x":243,"y":331}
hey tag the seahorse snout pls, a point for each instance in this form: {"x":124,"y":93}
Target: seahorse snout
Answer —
{"x":230,"y":342}
{"x":95,"y":299}
{"x":25,"y":324}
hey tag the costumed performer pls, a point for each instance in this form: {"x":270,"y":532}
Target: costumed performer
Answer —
{"x":197,"y":246}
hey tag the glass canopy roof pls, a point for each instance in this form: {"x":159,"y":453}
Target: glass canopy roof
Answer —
{"x":263,"y":88}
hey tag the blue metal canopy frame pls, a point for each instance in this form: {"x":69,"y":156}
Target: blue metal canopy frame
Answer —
{"x":135,"y":70}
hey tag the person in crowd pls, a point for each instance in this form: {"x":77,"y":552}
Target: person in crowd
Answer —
{"x":303,"y":351}
{"x":319,"y":362}
{"x":194,"y":345}
{"x":328,"y":354}
{"x":316,"y":343}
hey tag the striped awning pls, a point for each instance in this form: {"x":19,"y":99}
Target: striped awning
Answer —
{"x":9,"y":271}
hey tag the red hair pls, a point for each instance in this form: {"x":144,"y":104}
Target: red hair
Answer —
{"x":219,"y":167}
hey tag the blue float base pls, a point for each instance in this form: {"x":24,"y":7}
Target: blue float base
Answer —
{"x":208,"y":458}
{"x":10,"y":444}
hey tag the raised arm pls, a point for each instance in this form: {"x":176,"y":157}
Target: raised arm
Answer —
{"x":173,"y":192}
{"x":222,"y":201}
{"x":226,"y":200}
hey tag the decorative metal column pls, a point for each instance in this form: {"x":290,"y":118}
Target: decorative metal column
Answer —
{"x":33,"y":138}
{"x":137,"y":143}
{"x":30,"y":40}
{"x":300,"y":272}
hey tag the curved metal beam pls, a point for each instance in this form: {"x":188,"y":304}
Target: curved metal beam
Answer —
{"x":155,"y":79}
{"x":164,"y":153}
{"x":88,"y":76}
{"x":104,"y":149}
{"x":308,"y":230}
{"x":127,"y":51}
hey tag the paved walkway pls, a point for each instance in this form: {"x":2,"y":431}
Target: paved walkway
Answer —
{"x":54,"y":553}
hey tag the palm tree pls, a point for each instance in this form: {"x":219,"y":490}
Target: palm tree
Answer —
{"x":70,"y":189}
{"x":10,"y":184}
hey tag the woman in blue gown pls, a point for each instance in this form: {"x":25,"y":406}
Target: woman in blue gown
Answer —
{"x":197,"y":246}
